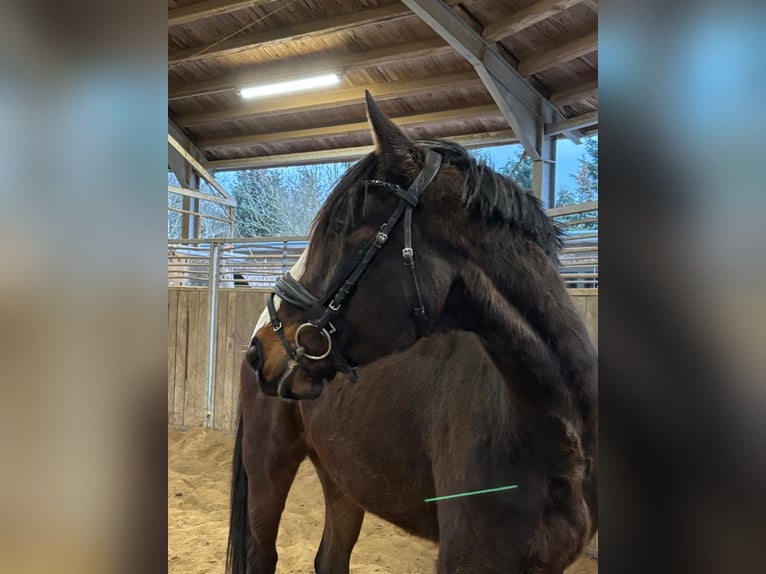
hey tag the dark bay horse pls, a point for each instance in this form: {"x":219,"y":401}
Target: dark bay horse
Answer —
{"x":501,"y":391}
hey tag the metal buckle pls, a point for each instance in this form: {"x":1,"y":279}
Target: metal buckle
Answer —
{"x":278,"y":326}
{"x":334,"y":309}
{"x":326,"y":336}
{"x":380,"y":239}
{"x":408,"y":254}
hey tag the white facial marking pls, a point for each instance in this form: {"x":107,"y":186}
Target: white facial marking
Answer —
{"x":297,"y":272}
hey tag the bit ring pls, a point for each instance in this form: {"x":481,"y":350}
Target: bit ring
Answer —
{"x":326,"y":336}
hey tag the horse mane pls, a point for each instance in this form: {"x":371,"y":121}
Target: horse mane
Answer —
{"x":493,"y":197}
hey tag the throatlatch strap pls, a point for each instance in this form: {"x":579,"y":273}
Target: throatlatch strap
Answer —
{"x":409,"y":262}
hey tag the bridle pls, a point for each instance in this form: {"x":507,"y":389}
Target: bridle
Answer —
{"x":328,"y":306}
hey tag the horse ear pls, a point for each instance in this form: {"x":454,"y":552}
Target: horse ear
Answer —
{"x":391,"y":145}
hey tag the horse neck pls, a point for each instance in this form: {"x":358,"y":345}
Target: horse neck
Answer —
{"x":520,"y":303}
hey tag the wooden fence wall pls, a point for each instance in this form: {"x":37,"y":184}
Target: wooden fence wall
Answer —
{"x":188,"y":337}
{"x":237,"y":312}
{"x":586,"y":301}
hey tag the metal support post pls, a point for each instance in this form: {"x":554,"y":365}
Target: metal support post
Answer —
{"x":544,"y":166}
{"x":212,"y":287}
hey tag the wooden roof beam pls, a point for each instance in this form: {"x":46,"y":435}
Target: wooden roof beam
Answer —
{"x":199,"y":195}
{"x":208,"y":9}
{"x":306,"y":65}
{"x":179,"y":166}
{"x":485,"y":139}
{"x":181,"y":144}
{"x":526,"y":17}
{"x":185,"y":142}
{"x":343,"y":129}
{"x":331,"y":98}
{"x":523,"y":107}
{"x":575,"y":93}
{"x":573,"y":123}
{"x":291,"y":33}
{"x":560,"y":55}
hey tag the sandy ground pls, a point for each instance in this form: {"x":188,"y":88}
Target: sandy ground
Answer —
{"x":198,"y":499}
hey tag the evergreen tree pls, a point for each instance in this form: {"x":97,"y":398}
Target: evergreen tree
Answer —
{"x":586,"y":182}
{"x":519,"y":168}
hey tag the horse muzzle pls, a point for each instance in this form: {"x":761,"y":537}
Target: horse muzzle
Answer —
{"x":254,"y":358}
{"x":292,"y":384}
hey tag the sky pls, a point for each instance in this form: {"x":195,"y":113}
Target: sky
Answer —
{"x":567,"y":156}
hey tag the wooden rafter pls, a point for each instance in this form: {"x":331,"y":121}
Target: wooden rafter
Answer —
{"x":179,"y":166}
{"x":291,"y":33}
{"x":199,"y":195}
{"x":526,"y":17}
{"x":207,"y":9}
{"x":201,"y":169}
{"x":523,"y":107}
{"x":343,"y":129}
{"x":305,"y":65}
{"x":575,"y":93}
{"x":502,"y":137}
{"x":332,"y":98}
{"x":559,"y":55}
{"x":185,"y":142}
{"x":573,"y":123}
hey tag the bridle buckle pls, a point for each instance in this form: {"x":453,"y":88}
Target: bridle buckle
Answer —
{"x":380,"y":239}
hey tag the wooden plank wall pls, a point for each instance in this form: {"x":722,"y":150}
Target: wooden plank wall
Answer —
{"x":238,"y":311}
{"x":188,"y":336}
{"x":586,"y":301}
{"x":187,"y":355}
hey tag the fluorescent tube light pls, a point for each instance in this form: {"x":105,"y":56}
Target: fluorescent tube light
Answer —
{"x":290,"y":86}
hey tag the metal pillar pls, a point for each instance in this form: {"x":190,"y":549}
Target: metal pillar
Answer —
{"x":544,"y":173}
{"x":185,"y":219}
{"x":212,"y":290}
{"x":544,"y":166}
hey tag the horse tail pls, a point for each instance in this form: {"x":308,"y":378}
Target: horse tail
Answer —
{"x":239,"y":528}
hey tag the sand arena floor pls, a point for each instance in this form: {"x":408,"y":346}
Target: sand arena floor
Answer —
{"x":198,"y":504}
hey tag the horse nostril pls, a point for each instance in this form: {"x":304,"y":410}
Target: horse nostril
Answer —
{"x":253,"y":355}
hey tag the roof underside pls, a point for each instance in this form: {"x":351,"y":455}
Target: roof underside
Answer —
{"x":423,"y":83}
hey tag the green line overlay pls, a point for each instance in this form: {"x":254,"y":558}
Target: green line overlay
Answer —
{"x":499,"y":488}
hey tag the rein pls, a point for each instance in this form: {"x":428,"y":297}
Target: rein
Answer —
{"x":325,"y":308}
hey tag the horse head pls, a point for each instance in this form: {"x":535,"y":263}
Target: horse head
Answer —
{"x":403,"y":235}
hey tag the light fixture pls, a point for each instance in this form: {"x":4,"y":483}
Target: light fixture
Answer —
{"x":289,"y":86}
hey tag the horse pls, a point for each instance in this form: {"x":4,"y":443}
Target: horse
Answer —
{"x":458,"y":368}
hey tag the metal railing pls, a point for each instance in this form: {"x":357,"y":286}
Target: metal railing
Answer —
{"x":579,"y":256}
{"x":239,"y":262}
{"x":257,"y":262}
